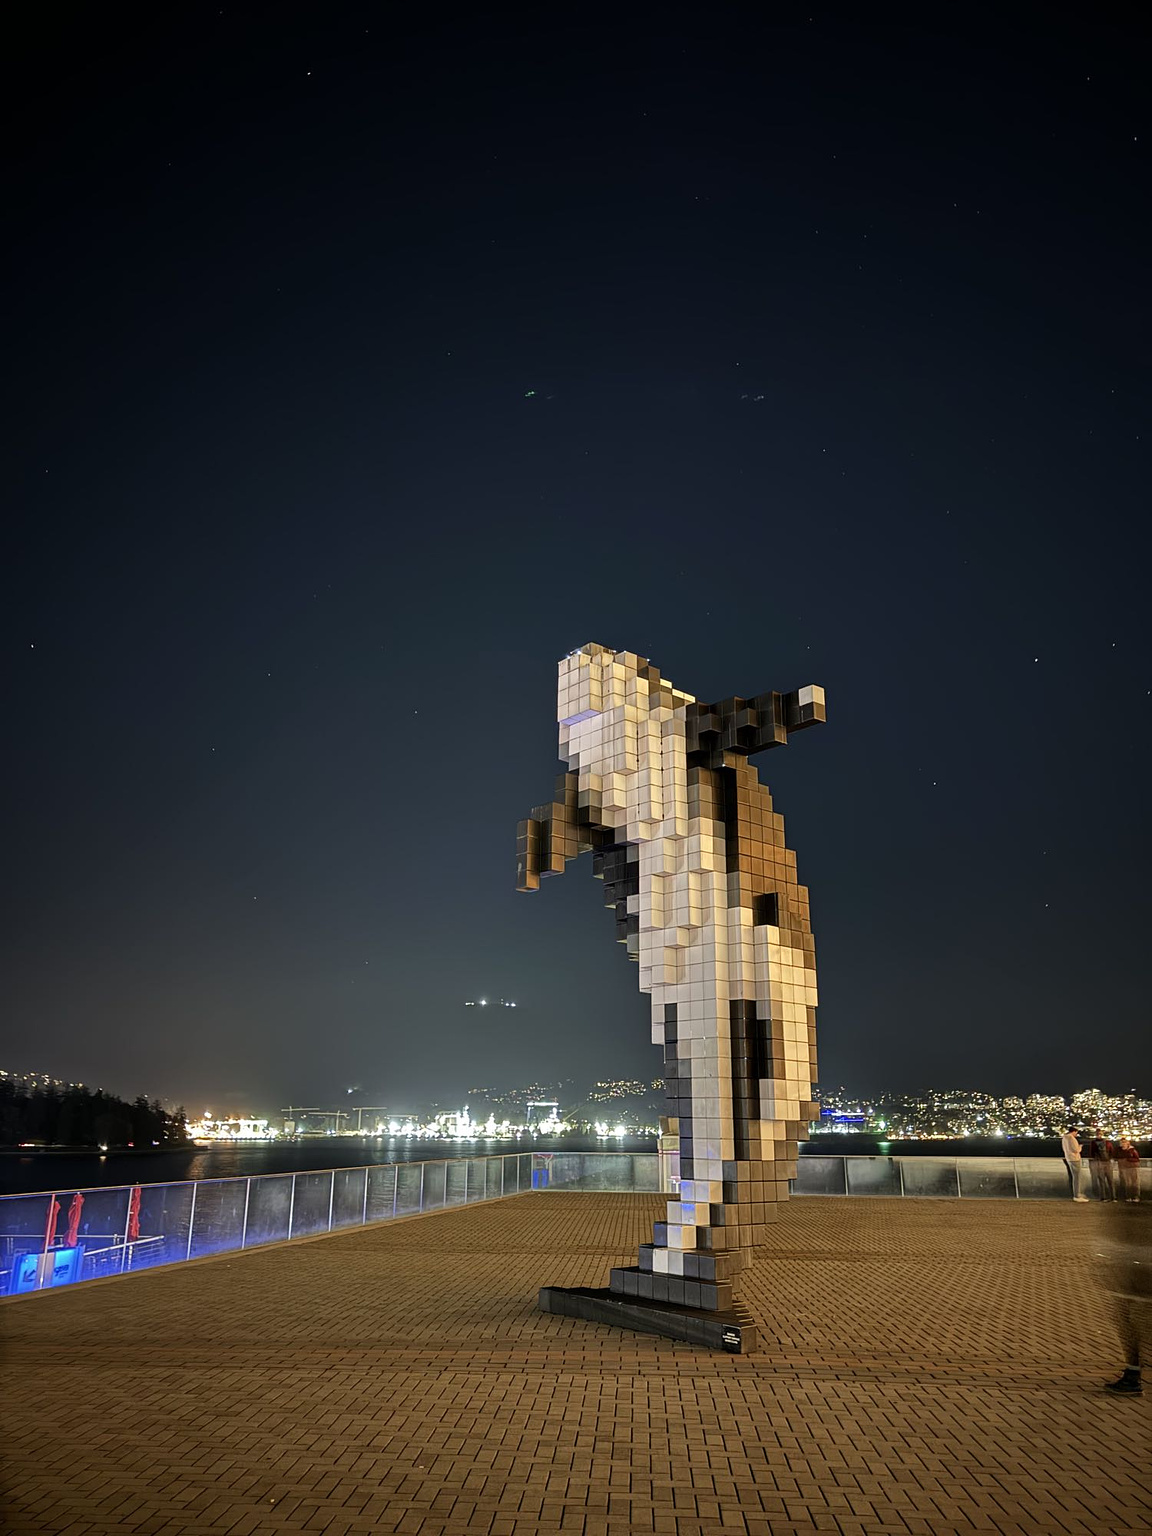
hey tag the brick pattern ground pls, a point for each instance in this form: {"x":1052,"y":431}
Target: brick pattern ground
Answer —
{"x":926,"y":1367}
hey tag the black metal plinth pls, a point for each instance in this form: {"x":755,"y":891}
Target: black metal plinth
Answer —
{"x":732,"y":1331}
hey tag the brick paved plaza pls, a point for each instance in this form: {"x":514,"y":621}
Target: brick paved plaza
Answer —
{"x":925,"y":1367}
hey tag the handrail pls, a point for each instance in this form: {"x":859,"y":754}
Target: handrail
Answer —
{"x":286,"y":1173}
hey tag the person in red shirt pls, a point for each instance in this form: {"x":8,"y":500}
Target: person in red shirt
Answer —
{"x":1128,"y":1168}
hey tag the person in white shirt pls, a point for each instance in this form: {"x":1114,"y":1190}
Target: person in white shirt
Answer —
{"x":1070,"y":1147}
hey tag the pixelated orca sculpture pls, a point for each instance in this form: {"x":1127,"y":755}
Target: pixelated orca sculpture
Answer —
{"x":695,"y":867}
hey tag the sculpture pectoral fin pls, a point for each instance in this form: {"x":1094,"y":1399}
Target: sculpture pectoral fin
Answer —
{"x":529,"y":834}
{"x":549,"y":837}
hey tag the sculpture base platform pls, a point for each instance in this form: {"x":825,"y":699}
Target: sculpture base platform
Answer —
{"x":734,"y":1331}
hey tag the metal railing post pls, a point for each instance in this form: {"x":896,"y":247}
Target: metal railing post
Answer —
{"x":420,"y":1207}
{"x":42,"y":1267}
{"x":48,"y":1218}
{"x":364,"y":1208}
{"x":191,"y":1221}
{"x":465,"y":1199}
{"x":247,"y":1198}
{"x":900,"y":1170}
{"x":331,"y":1198}
{"x":291,"y":1205}
{"x":1015,"y":1179}
{"x":127,"y":1226}
{"x":395,"y":1186}
{"x":956,"y":1171}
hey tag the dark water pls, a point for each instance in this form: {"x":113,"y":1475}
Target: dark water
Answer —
{"x":22,"y":1173}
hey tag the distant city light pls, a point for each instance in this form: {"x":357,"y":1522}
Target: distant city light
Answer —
{"x":235,"y":1128}
{"x":523,"y":1113}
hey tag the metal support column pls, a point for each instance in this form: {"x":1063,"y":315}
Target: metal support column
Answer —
{"x":191,"y":1221}
{"x":127,"y":1228}
{"x":42,"y":1267}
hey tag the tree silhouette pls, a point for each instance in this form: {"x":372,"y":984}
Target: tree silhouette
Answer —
{"x":84,"y":1117}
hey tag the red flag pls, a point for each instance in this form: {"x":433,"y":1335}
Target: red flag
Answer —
{"x":74,"y":1220}
{"x":134,"y":1215}
{"x":50,"y":1228}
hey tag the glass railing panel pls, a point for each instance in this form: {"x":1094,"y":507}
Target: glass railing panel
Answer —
{"x":348,"y":1193}
{"x":1045,"y":1178}
{"x":24,"y":1218}
{"x":987,"y":1178}
{"x":457,"y":1182}
{"x":409,"y":1177}
{"x":381,"y":1191}
{"x":23,"y":1231}
{"x":269,"y":1206}
{"x":218,"y":1216}
{"x":104,"y":1217}
{"x":874,"y":1176}
{"x":819,"y":1176}
{"x":606,"y":1171}
{"x":645,"y":1172}
{"x":511,"y":1176}
{"x":162,"y":1225}
{"x":103,"y":1226}
{"x":560,"y":1170}
{"x":311,"y":1203}
{"x":476,"y":1170}
{"x":435,"y":1186}
{"x":930,"y":1177}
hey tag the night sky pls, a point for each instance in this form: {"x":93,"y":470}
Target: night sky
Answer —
{"x":364,"y":361}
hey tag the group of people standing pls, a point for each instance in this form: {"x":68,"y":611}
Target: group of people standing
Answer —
{"x":1115,"y":1165}
{"x":1126,"y":1240}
